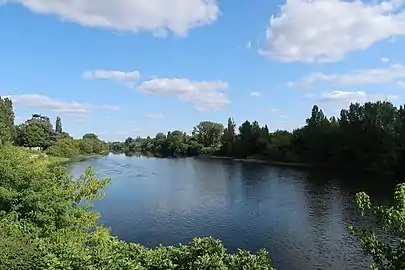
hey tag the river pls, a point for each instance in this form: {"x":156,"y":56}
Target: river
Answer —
{"x":300,"y":217}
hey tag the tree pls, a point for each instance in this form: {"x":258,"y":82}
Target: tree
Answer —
{"x":228,"y":139}
{"x":46,"y":222}
{"x":7,"y":129}
{"x":41,"y":122}
{"x":208,"y":133}
{"x":387,"y":255}
{"x":90,"y":136}
{"x":64,"y":148}
{"x":34,"y":136}
{"x":58,"y":125}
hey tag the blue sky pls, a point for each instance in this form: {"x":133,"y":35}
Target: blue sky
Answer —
{"x":133,"y":68}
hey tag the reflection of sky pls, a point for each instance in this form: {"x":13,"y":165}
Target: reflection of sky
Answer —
{"x":301,"y":222}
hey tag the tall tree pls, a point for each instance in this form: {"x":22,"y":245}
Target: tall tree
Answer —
{"x":228,"y":139}
{"x":58,"y":125}
{"x":7,"y":129}
{"x":208,"y":133}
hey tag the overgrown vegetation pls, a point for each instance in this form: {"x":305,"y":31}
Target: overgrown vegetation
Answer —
{"x":368,"y":136}
{"x":38,"y":133}
{"x":46,"y":222}
{"x":387,"y":253}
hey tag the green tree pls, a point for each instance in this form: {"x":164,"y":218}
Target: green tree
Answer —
{"x":386,"y":254}
{"x":208,"y":133}
{"x":47,"y":222}
{"x":64,"y":148}
{"x":42,"y":122}
{"x":58,"y":125}
{"x":85,"y":147}
{"x":90,"y":136}
{"x":34,"y":136}
{"x":228,"y":139}
{"x":7,"y":129}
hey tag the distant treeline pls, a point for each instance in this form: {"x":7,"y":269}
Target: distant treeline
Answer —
{"x":39,"y":133}
{"x":368,"y":136}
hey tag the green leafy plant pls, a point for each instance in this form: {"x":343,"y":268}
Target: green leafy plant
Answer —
{"x":388,"y":254}
{"x":47,"y":222}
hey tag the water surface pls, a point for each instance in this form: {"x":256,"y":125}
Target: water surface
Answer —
{"x":298,"y":216}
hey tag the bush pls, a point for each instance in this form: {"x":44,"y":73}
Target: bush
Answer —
{"x":388,"y":254}
{"x":46,"y":222}
{"x":64,"y":148}
{"x":209,"y":150}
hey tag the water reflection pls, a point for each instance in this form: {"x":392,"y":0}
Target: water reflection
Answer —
{"x":299,"y":216}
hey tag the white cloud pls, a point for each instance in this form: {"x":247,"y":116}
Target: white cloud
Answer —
{"x":325,"y":31}
{"x":255,"y":94}
{"x":153,"y":115}
{"x":343,"y":96}
{"x":385,"y":59}
{"x":283,"y":116}
{"x":347,"y":97}
{"x":65,"y":107}
{"x":357,"y":77}
{"x":274,"y":110}
{"x":127,"y":78}
{"x":249,"y":45}
{"x":156,"y":16}
{"x":202,"y":94}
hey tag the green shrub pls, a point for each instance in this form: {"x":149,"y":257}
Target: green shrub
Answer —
{"x":46,"y":222}
{"x":387,"y":254}
{"x":64,"y":148}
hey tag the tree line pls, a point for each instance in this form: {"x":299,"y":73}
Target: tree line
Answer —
{"x":47,"y":222}
{"x":366,"y":136}
{"x":39,"y":133}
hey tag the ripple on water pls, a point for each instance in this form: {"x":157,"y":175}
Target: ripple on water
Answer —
{"x":300,"y":217}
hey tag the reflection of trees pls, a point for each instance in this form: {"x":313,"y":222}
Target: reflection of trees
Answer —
{"x":331,"y":207}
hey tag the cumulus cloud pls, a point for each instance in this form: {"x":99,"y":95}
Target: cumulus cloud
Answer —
{"x":356,"y":77}
{"x":153,"y":115}
{"x":127,"y":78}
{"x":255,"y":94}
{"x":65,"y":107}
{"x":347,"y":97}
{"x":274,"y":110}
{"x":203,"y":95}
{"x":156,"y":16}
{"x":325,"y":31}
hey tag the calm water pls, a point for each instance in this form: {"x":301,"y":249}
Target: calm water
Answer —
{"x":298,"y":216}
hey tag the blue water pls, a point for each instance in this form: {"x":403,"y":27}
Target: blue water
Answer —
{"x":298,"y":216}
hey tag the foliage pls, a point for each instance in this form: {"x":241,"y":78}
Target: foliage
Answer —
{"x":46,"y":222}
{"x":387,"y":254}
{"x":64,"y":148}
{"x":34,"y":136}
{"x":58,"y":125}
{"x":7,"y":129}
{"x":370,"y":136}
{"x":29,"y":132}
{"x":208,"y":133}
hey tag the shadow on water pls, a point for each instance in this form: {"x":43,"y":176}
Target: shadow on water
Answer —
{"x":299,"y":216}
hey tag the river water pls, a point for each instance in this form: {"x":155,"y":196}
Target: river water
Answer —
{"x":300,"y":217}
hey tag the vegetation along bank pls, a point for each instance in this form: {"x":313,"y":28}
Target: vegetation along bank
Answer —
{"x":47,"y":222}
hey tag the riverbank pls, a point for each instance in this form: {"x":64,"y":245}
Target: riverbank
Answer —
{"x":367,"y":171}
{"x":38,"y":154}
{"x":261,"y":161}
